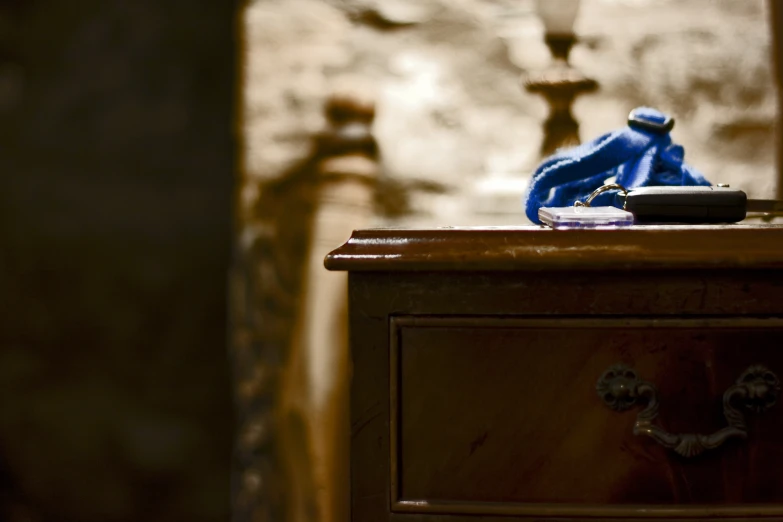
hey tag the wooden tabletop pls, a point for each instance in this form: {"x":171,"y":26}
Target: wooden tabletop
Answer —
{"x":541,"y":248}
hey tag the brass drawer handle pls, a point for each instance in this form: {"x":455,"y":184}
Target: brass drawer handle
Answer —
{"x":757,"y":390}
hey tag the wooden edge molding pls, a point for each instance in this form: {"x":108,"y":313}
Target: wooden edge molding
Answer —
{"x":538,"y":248}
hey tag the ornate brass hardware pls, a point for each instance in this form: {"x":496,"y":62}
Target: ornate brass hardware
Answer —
{"x":757,"y":389}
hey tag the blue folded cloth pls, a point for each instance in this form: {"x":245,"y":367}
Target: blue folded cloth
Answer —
{"x":641,"y":154}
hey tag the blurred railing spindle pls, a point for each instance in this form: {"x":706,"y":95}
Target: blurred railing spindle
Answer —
{"x":776,"y":25}
{"x":289,"y":348}
{"x":318,"y":379}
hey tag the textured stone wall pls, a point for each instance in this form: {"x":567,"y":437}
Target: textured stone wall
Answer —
{"x":447,"y":76}
{"x":116,"y":176}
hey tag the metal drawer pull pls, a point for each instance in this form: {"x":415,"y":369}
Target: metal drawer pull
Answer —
{"x":757,"y":390}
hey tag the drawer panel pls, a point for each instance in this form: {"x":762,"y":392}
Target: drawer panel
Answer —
{"x":502,"y":416}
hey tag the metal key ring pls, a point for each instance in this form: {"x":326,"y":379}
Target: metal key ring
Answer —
{"x":601,"y":190}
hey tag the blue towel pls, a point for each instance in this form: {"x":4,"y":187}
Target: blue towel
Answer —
{"x":641,"y":154}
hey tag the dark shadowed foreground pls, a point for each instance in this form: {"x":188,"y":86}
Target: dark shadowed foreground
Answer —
{"x":117,"y":169}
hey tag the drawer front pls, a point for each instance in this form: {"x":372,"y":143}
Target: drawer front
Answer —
{"x":503,"y":416}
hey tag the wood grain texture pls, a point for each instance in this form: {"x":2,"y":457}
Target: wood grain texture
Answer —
{"x":540,"y":248}
{"x":369,"y":339}
{"x":472,"y":382}
{"x":478,"y":426}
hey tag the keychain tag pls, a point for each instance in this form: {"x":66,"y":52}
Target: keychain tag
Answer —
{"x":584,"y":217}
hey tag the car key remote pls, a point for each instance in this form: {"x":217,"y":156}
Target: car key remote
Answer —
{"x":693,"y":205}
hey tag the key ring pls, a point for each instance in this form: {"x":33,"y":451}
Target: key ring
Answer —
{"x":601,"y":190}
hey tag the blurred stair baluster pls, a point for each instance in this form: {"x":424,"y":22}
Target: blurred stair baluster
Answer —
{"x":289,"y":313}
{"x":346,"y":182}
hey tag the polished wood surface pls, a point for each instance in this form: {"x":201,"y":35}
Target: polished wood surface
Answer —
{"x":541,"y":248}
{"x":471,"y":412}
{"x":473,"y":392}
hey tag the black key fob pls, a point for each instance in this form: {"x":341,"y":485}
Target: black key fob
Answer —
{"x":692,"y":205}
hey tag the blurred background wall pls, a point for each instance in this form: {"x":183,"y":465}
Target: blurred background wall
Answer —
{"x":456,"y":139}
{"x":447,"y":79}
{"x":116,"y":179}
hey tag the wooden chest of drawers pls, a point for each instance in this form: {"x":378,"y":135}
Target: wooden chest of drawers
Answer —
{"x":529,"y":373}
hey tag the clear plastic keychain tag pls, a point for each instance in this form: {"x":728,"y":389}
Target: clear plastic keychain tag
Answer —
{"x":582,"y":215}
